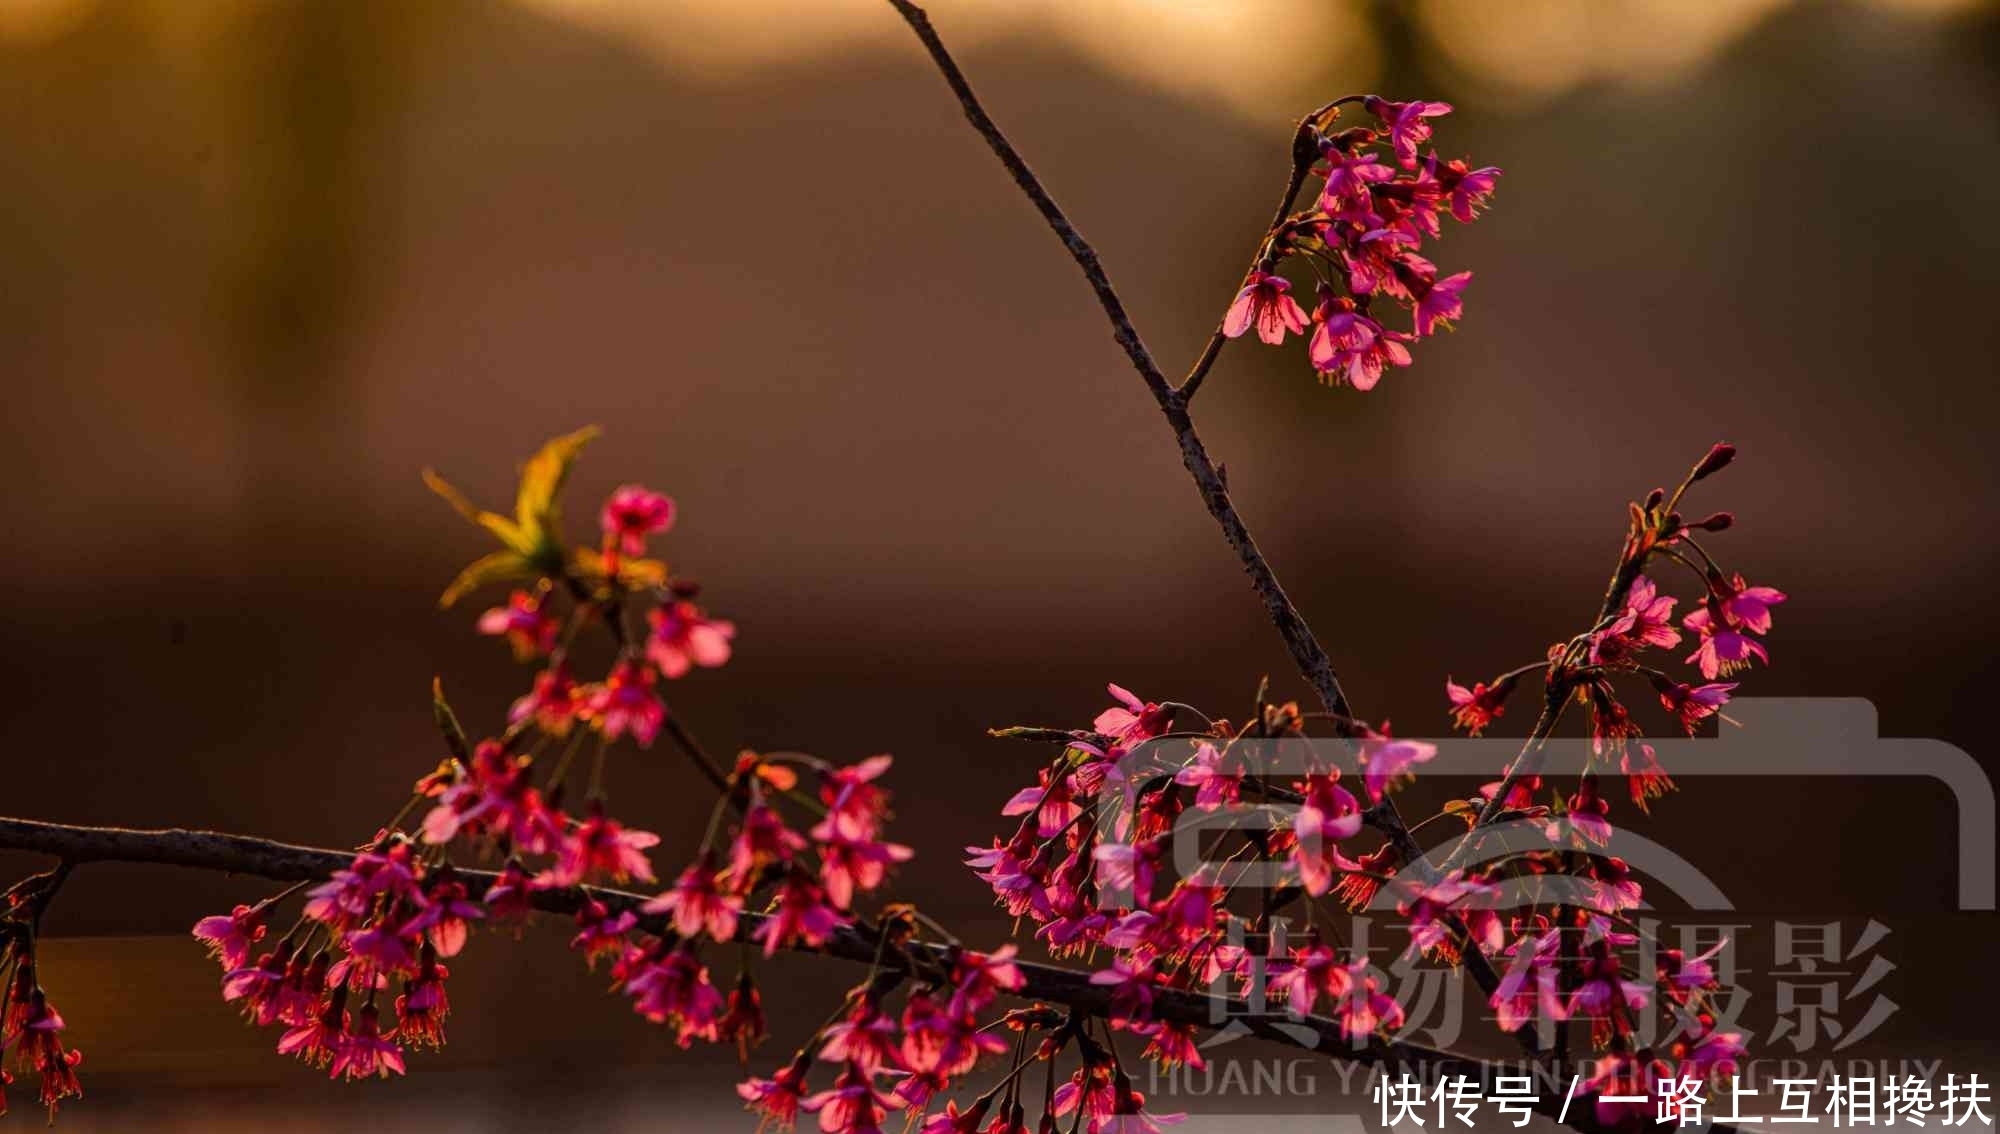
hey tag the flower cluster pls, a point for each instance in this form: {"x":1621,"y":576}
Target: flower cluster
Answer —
{"x":361,"y":976}
{"x":1360,"y":240}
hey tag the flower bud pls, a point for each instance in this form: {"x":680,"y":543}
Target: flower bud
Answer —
{"x":1718,"y":459}
{"x":1720,"y":521}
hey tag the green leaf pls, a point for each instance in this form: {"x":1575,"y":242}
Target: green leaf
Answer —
{"x":506,"y":566}
{"x":536,"y":511}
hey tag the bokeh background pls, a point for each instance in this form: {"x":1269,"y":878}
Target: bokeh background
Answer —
{"x":261,"y":260}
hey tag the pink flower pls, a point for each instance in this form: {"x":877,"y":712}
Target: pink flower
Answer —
{"x":447,"y":918}
{"x":1348,"y":177}
{"x":697,"y":904}
{"x":1433,"y":907}
{"x":865,"y":1037}
{"x":776,"y":1099}
{"x":1408,"y":124}
{"x":1692,"y":704}
{"x":855,"y":806}
{"x":625,"y":702}
{"x":1587,"y":813}
{"x":631,"y":514}
{"x":1131,"y":979}
{"x":318,"y":1040}
{"x":510,"y":898}
{"x":1603,"y":991}
{"x":762,"y":839}
{"x":978,"y":978}
{"x":675,"y":990}
{"x":853,"y":1105}
{"x":365,"y":1051}
{"x":850,"y":865}
{"x":1361,"y":1006}
{"x":423,"y":1006}
{"x":683,"y":637}
{"x":1132,"y":720}
{"x":1388,"y":761}
{"x":1214,"y":785}
{"x":1265,"y":302}
{"x":1646,"y":620}
{"x":1749,"y":607}
{"x":1475,"y":708}
{"x":1353,"y":348}
{"x":600,"y":847}
{"x":1644,"y":777}
{"x":1439,"y":304}
{"x":230,"y":939}
{"x":553,"y":701}
{"x":1174,"y":1045}
{"x":1528,"y":989}
{"x":802,"y":917}
{"x":1469,"y":189}
{"x":376,"y":952}
{"x":601,"y":933}
{"x":1312,"y":970}
{"x":1723,"y":649}
{"x":1328,"y":815}
{"x":1051,"y":801}
{"x":528,"y":628}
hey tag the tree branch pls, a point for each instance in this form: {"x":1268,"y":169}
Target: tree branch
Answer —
{"x":286,"y":862}
{"x":1308,"y":655}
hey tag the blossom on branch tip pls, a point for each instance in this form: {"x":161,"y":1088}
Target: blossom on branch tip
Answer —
{"x":1475,"y":708}
{"x":697,"y":904}
{"x":1408,"y":124}
{"x":632,"y":513}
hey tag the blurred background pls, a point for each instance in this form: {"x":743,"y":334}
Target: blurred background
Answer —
{"x":262,"y":260}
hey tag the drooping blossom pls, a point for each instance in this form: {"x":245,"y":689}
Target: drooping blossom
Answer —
{"x":364,"y":1051}
{"x":671,"y":986}
{"x":1587,"y":814}
{"x":802,"y":916}
{"x":1386,"y":760}
{"x":1747,"y":606}
{"x":697,"y":903}
{"x":230,"y":937}
{"x":865,"y":1037}
{"x":600,"y":847}
{"x":1439,"y":304}
{"x":855,"y":804}
{"x":601,"y":933}
{"x":1361,"y":1006}
{"x":446,"y":917}
{"x":1475,"y":708}
{"x":525,"y":623}
{"x":853,"y":1105}
{"x":1644,"y":777}
{"x":1131,"y":979}
{"x":743,"y":1024}
{"x":1529,"y":988}
{"x":632,"y":513}
{"x":1327,"y":815}
{"x":1469,"y":190}
{"x":776,"y":1100}
{"x":762,"y":839}
{"x":1052,"y":801}
{"x":1266,"y":304}
{"x":1724,"y":648}
{"x":316,"y":1041}
{"x":1692,"y":704}
{"x":684,"y":637}
{"x":423,"y":1006}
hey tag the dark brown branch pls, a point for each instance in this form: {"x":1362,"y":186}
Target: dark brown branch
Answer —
{"x":285,"y":862}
